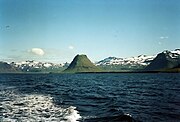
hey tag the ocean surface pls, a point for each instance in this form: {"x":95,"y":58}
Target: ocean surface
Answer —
{"x":105,"y":97}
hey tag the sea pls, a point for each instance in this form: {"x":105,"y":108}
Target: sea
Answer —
{"x":93,"y":97}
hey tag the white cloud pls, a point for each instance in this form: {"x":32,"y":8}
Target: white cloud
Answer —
{"x":37,"y":51}
{"x":164,"y":37}
{"x":71,"y":47}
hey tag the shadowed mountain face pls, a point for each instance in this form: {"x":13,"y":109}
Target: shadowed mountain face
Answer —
{"x":81,"y":63}
{"x":5,"y":67}
{"x":165,"y":60}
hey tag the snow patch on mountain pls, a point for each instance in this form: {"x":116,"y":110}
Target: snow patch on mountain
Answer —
{"x":31,"y":64}
{"x":139,"y":60}
{"x":172,"y":54}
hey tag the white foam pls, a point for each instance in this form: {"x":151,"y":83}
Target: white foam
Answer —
{"x":127,"y":114}
{"x":33,"y":108}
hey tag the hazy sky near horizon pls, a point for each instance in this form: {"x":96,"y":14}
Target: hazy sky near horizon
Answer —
{"x":57,"y":30}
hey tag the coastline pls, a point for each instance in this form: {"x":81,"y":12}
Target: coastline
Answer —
{"x":102,"y":72}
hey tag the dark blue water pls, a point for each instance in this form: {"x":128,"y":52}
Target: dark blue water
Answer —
{"x":97,"y":97}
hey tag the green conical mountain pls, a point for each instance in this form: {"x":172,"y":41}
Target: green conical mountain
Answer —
{"x":81,"y":63}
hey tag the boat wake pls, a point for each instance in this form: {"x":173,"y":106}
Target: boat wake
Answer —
{"x":33,"y":108}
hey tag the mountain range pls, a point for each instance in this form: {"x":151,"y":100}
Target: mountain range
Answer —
{"x":163,"y":61}
{"x":32,"y":66}
{"x":132,"y":63}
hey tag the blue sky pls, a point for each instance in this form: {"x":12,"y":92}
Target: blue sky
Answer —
{"x":57,"y":30}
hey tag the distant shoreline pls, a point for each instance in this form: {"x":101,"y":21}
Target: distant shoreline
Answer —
{"x":103,"y":72}
{"x":128,"y":72}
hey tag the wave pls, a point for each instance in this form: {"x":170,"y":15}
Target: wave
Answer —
{"x":32,"y":108}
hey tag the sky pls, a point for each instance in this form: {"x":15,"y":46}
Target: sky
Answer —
{"x":57,"y":30}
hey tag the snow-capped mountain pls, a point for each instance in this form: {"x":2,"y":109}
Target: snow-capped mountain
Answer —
{"x":32,"y":65}
{"x":165,"y":60}
{"x":143,"y":60}
{"x":139,"y":60}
